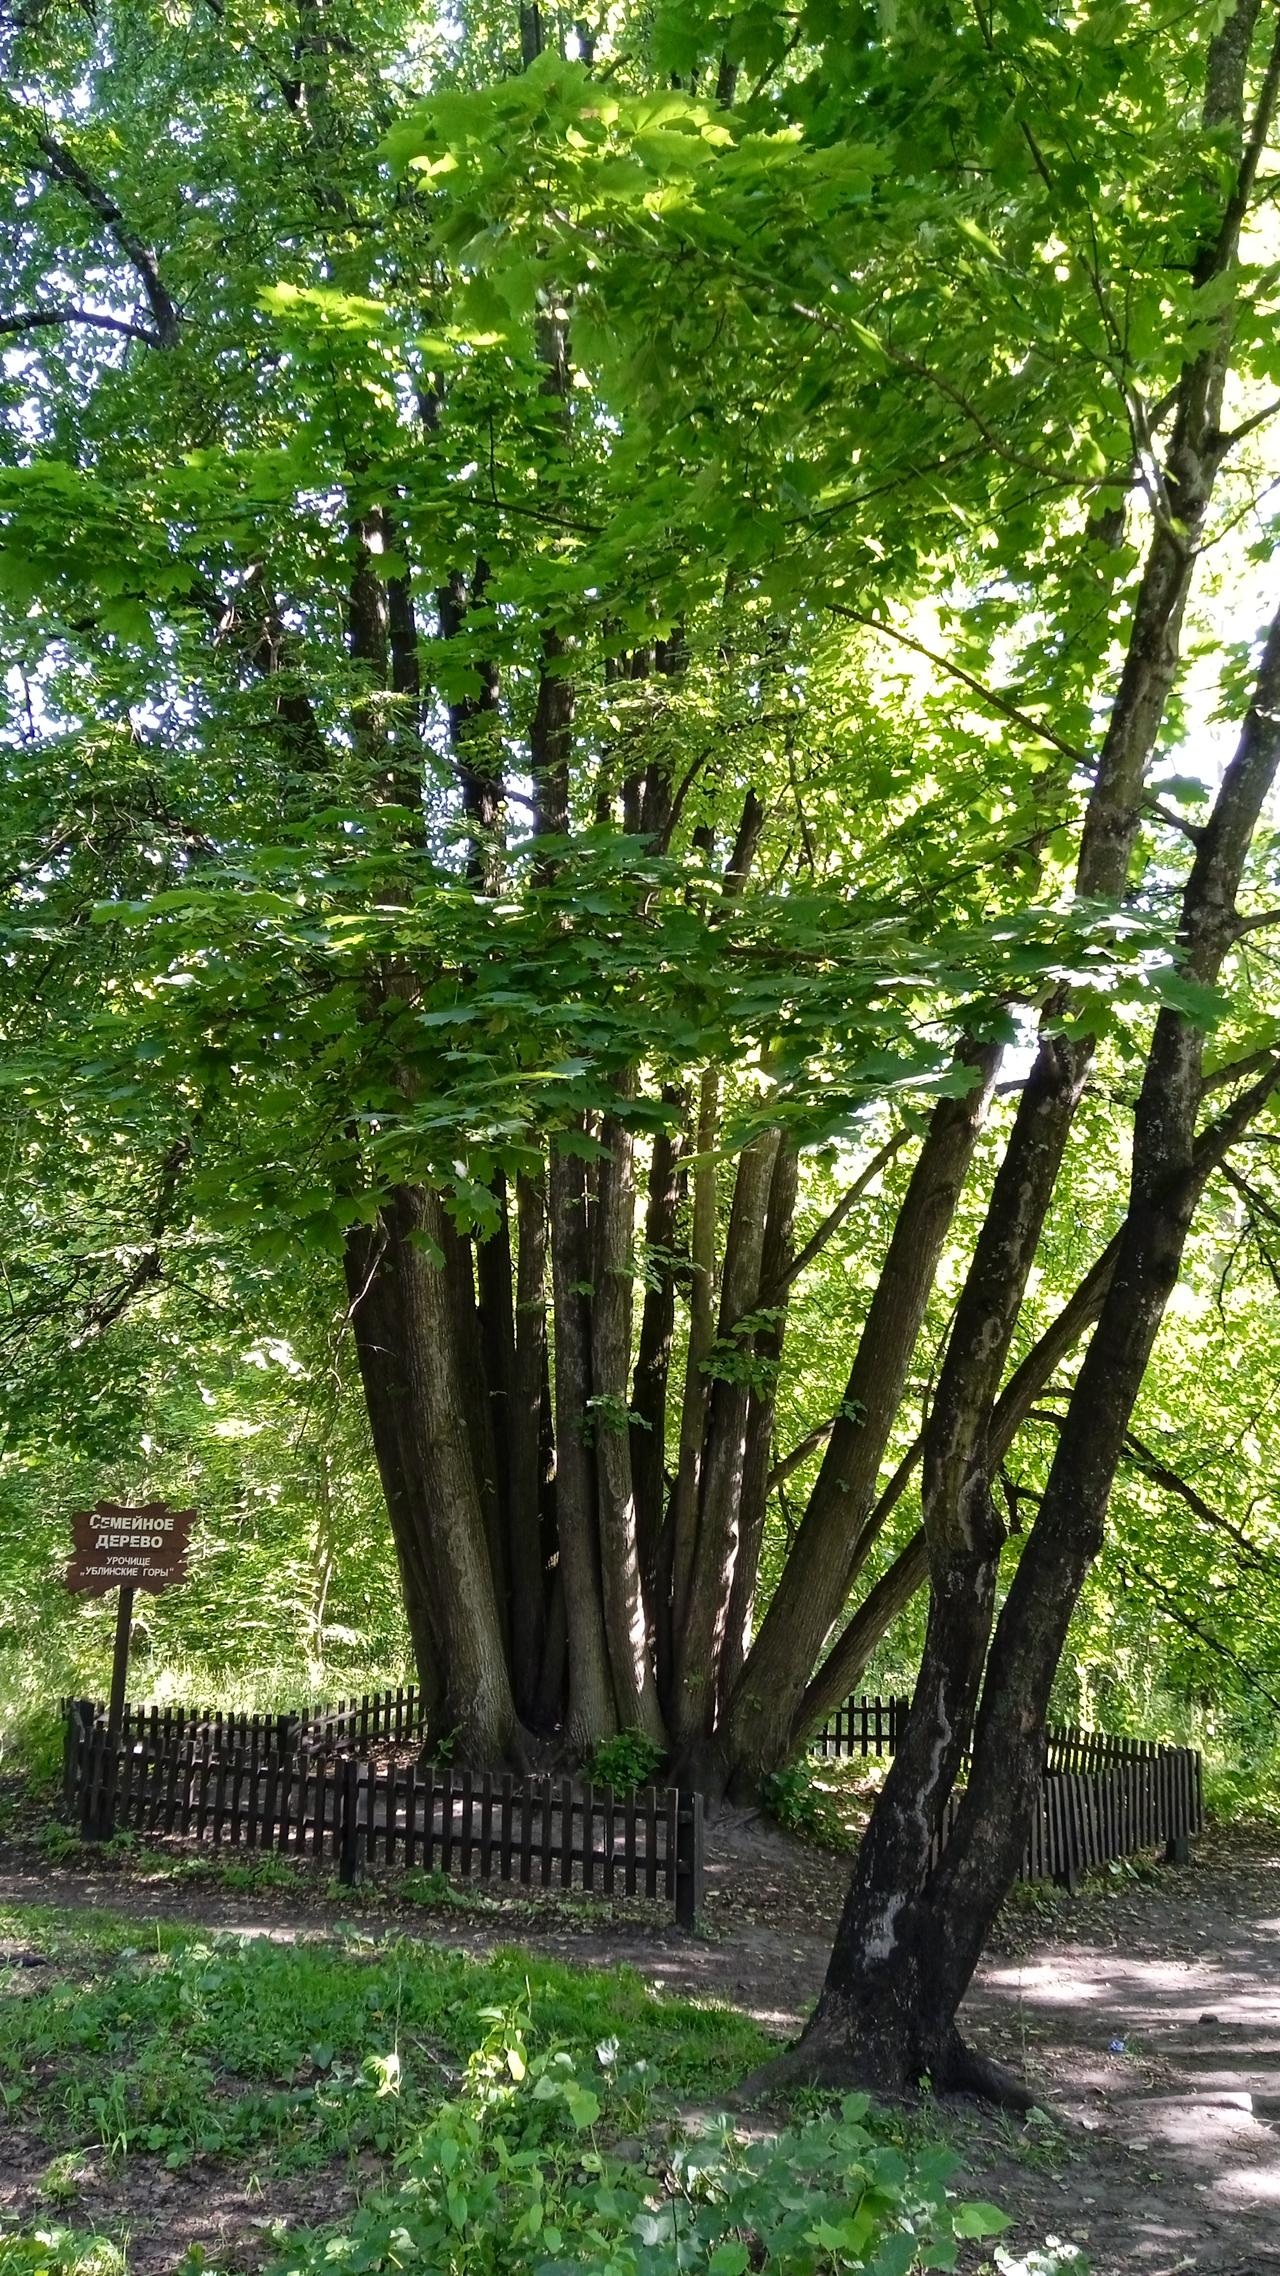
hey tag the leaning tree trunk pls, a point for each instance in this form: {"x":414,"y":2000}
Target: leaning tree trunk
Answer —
{"x":700,"y":1637}
{"x":902,"y":1962}
{"x":889,"y":2006}
{"x":761,"y":1724}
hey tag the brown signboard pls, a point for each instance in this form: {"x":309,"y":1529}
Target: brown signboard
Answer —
{"x":115,"y":1547}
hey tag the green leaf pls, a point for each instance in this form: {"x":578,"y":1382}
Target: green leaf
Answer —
{"x":975,"y":2218}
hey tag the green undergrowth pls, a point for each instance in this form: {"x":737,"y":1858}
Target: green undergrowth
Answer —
{"x":52,"y":2250}
{"x":1243,"y":1792}
{"x":825,"y":1800}
{"x":533,"y":2168}
{"x":183,"y":2044}
{"x":526,"y":2118}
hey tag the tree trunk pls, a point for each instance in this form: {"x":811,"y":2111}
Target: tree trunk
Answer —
{"x":653,"y":1358}
{"x":477,"y":1701}
{"x":700,"y":1638}
{"x":769,"y":1342}
{"x":526,"y":1562}
{"x":815,"y":1582}
{"x":626,"y":1625}
{"x":472,"y":1380}
{"x":910,"y":1937}
{"x":591,"y":1713}
{"x":375,"y":1322}
{"x":680,"y":1530}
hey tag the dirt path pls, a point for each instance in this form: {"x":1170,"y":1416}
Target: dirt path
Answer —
{"x":1149,"y":2014}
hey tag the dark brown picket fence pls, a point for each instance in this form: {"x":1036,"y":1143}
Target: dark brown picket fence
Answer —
{"x":1121,"y":1808}
{"x":861,"y":1726}
{"x":1101,"y":1798}
{"x":358,"y":1814}
{"x":390,"y":1718}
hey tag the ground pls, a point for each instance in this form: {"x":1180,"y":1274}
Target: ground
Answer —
{"x":1146,"y":2010}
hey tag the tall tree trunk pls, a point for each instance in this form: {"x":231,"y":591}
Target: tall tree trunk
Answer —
{"x":526,"y":1561}
{"x":904,"y":1957}
{"x":770,"y":1338}
{"x":680,"y":1531}
{"x":591,"y":1714}
{"x":375,"y":1321}
{"x":701,"y":1637}
{"x":496,"y":1313}
{"x":626,"y":1625}
{"x":899,"y":1968}
{"x":470,"y":1372}
{"x":477,"y":1701}
{"x":761,"y":1724}
{"x":653,"y":1356}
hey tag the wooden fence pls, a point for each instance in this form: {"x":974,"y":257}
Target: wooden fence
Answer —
{"x":391,"y":1718}
{"x":1087,"y":1818}
{"x":358,"y":1814}
{"x":861,"y":1726}
{"x":1101,"y":1798}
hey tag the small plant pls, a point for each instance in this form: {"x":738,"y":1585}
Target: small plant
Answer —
{"x":248,"y":1874}
{"x":60,"y":1843}
{"x":797,"y":1798}
{"x":63,"y":2178}
{"x":418,"y":1887}
{"x":60,"y":2252}
{"x":630,"y":1759}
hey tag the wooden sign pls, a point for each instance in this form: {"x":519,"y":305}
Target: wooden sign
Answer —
{"x":116,"y":1547}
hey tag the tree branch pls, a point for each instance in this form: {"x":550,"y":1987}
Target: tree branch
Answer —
{"x":66,"y":167}
{"x":37,"y":319}
{"x":799,"y":1454}
{"x":1161,"y":1474}
{"x":853,"y":1648}
{"x":997,"y":703}
{"x":829,"y":1227}
{"x":1173,"y":1611}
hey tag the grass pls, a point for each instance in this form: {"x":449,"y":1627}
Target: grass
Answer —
{"x":222,"y":2046}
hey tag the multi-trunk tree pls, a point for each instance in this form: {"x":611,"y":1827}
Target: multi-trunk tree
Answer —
{"x":581,"y":638}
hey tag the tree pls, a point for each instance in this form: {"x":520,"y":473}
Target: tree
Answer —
{"x":462,"y":575}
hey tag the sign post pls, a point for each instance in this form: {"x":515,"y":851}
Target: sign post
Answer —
{"x":115,"y":1547}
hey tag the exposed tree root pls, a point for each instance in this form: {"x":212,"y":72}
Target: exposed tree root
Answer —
{"x":824,"y":2058}
{"x":965,"y":2071}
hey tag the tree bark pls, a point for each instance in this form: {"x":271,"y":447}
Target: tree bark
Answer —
{"x":626,"y":1625}
{"x":477,"y":1699}
{"x":591,"y":1713}
{"x":526,"y":1562}
{"x":680,"y":1531}
{"x":700,"y":1638}
{"x":815,"y":1582}
{"x":653,"y":1357}
{"x":769,"y":1343}
{"x":375,"y":1322}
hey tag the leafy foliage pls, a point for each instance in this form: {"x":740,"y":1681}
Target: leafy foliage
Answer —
{"x":631,"y":1759}
{"x":518,"y":2173}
